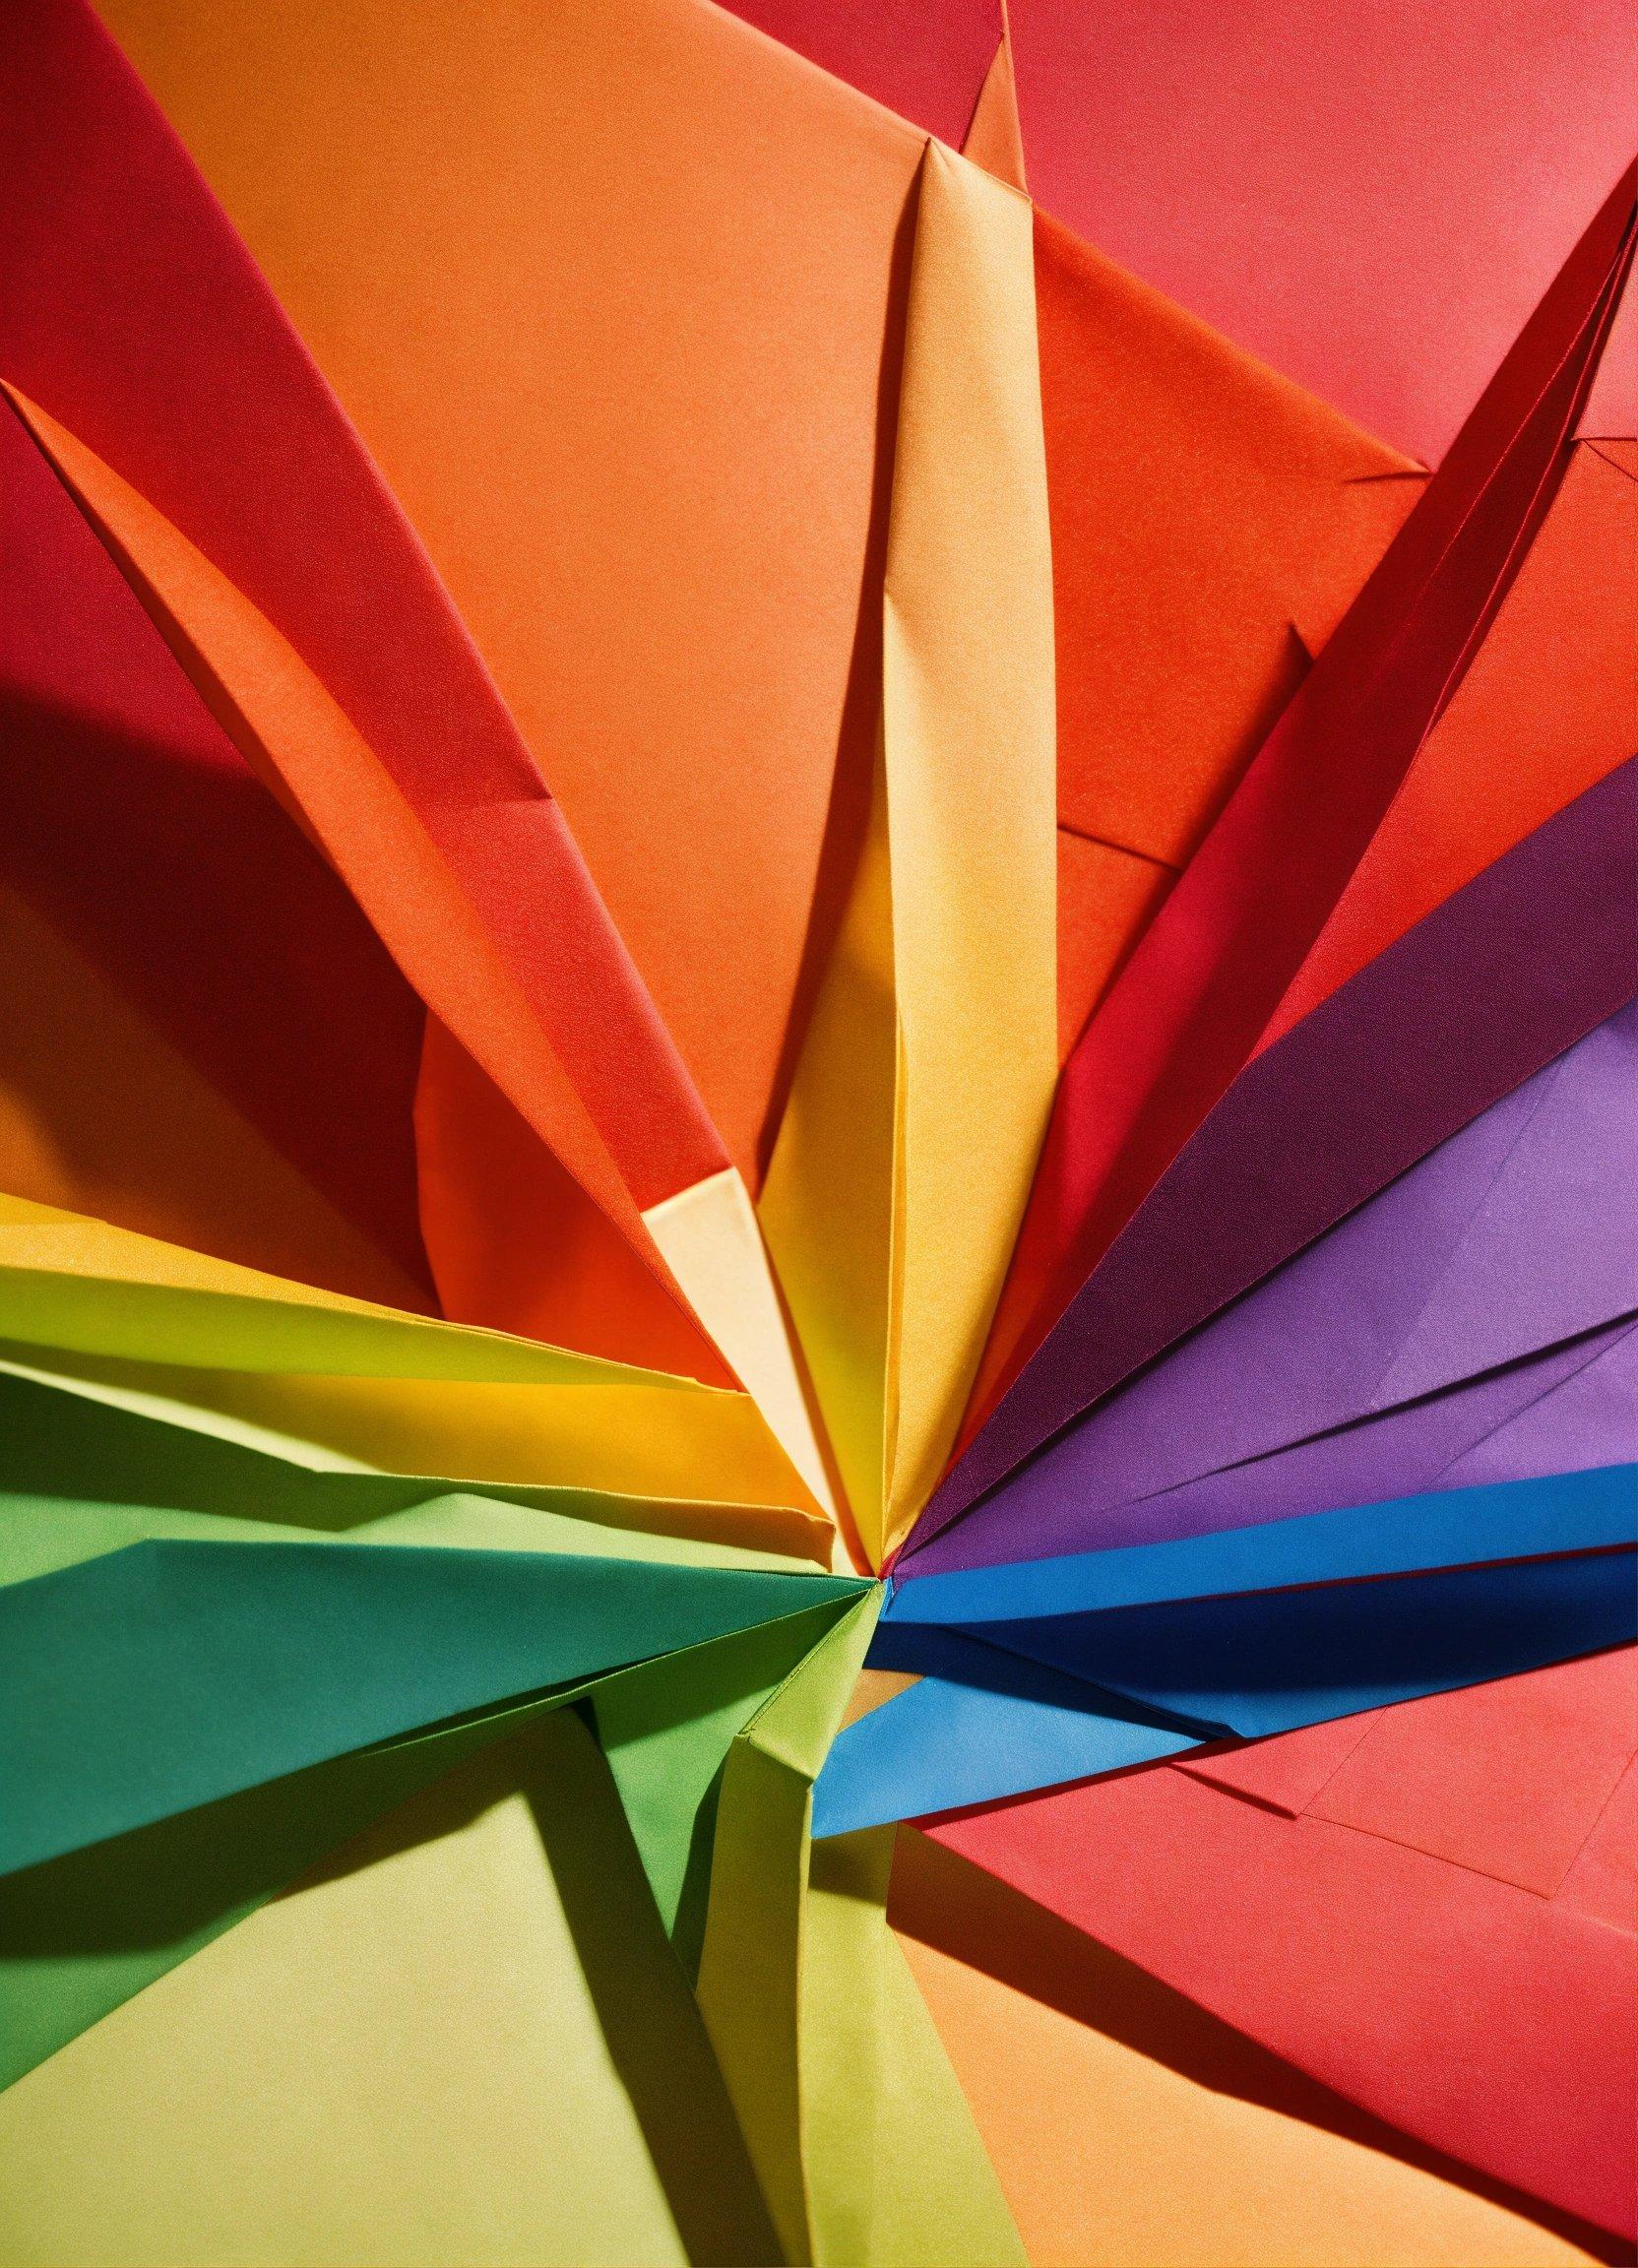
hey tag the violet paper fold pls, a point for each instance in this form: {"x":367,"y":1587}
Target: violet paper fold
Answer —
{"x":1488,"y":988}
{"x":1507,"y":1250}
{"x":1563,"y":1410}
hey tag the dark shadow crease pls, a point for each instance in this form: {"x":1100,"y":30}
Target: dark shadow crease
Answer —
{"x":983,"y":1660}
{"x":1269,"y":1660}
{"x":650,"y":2022}
{"x":53,"y":1444}
{"x":194,"y":897}
{"x":855,"y":757}
{"x":162,"y":1884}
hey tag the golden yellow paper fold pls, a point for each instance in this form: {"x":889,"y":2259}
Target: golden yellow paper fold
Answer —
{"x":905,"y":1158}
{"x":394,"y":1391}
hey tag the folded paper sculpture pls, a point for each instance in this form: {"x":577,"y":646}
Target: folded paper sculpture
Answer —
{"x":818,"y":1292}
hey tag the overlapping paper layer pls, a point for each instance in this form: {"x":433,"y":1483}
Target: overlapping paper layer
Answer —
{"x":817,"y":1291}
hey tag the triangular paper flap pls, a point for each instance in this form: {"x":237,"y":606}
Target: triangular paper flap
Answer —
{"x":546,"y":2082}
{"x":183,"y":1671}
{"x":994,"y":139}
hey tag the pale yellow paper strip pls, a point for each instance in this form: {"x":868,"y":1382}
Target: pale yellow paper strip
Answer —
{"x":710,"y":1240}
{"x":971,"y":767}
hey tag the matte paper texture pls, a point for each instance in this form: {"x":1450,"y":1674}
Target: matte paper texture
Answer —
{"x":818,"y":1295}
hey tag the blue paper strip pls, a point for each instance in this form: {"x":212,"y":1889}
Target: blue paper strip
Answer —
{"x":1586,"y":1511}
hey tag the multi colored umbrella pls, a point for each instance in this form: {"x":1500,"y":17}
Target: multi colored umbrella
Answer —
{"x":818,"y":1315}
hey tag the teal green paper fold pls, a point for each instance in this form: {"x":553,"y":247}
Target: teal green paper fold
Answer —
{"x":83,"y":1932}
{"x":170,"y":1674}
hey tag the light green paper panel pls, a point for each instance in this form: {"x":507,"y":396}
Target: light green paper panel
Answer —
{"x":897,"y":2171}
{"x":544,"y":2094}
{"x":862,"y":2140}
{"x":750,"y":1967}
{"x":84,"y":1933}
